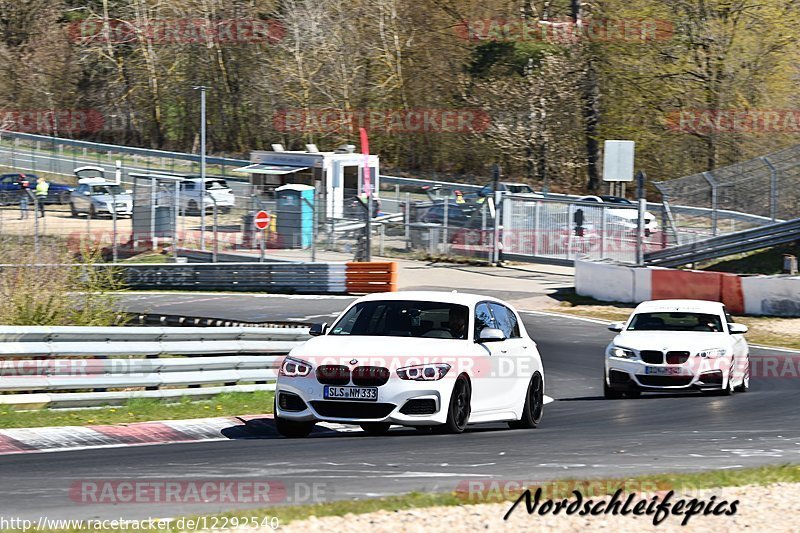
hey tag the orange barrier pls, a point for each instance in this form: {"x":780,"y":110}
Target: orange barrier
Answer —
{"x":732,"y":293}
{"x":697,"y":285}
{"x":371,"y":277}
{"x":667,"y":284}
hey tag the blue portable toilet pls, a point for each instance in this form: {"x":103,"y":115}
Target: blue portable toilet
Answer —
{"x":294,"y":207}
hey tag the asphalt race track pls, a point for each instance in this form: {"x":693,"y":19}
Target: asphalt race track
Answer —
{"x":581,"y":435}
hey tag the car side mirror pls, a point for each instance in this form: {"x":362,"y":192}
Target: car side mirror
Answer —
{"x":318,"y":329}
{"x":491,"y":335}
{"x":737,"y":329}
{"x":616,"y":326}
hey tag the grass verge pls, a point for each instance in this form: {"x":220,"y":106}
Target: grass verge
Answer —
{"x":141,"y":410}
{"x":769,"y":331}
{"x":680,"y":482}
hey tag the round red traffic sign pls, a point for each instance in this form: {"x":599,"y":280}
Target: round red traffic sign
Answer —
{"x":261,"y":220}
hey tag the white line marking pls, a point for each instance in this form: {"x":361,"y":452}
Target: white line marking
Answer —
{"x":763,"y":347}
{"x":573,"y":317}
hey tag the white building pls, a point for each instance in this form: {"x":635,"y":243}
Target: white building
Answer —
{"x":336,"y":175}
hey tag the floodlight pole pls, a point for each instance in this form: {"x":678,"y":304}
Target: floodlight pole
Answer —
{"x":202,"y":90}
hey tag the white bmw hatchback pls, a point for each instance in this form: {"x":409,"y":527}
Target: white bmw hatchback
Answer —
{"x":674,"y":345}
{"x":421,"y":359}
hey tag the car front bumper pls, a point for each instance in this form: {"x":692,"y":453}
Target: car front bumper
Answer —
{"x":396,"y":403}
{"x":695,"y":374}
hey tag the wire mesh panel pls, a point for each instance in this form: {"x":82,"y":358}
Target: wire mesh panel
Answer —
{"x":563,"y":230}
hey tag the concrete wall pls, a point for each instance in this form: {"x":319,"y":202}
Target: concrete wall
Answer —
{"x":605,"y":282}
{"x":753,"y":295}
{"x":771,"y":295}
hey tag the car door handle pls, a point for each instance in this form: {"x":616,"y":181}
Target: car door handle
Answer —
{"x":503,"y":351}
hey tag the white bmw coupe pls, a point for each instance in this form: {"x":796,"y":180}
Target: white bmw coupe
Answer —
{"x":430,"y":360}
{"x":674,"y":345}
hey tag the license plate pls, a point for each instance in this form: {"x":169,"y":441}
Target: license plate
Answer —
{"x":663,"y":371}
{"x":366,"y":394}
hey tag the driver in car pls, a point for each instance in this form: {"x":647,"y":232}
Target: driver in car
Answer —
{"x":458,"y":323}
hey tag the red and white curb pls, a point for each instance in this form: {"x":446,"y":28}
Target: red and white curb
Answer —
{"x":66,"y":438}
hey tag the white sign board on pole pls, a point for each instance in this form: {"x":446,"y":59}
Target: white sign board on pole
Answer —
{"x":618,"y":160}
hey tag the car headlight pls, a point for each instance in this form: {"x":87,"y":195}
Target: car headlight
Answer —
{"x":713,"y":352}
{"x":622,"y":353}
{"x":430,"y":372}
{"x":291,"y":367}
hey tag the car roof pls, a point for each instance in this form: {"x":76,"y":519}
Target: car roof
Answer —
{"x":689,"y":306}
{"x":454,"y":297}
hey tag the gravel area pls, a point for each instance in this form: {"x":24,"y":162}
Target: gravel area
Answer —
{"x":774,"y":507}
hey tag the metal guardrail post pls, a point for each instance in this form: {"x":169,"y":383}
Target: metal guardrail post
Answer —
{"x":215,"y":249}
{"x":640,"y":232}
{"x":603,"y":230}
{"x":444,"y":226}
{"x":773,"y":188}
{"x":153,"y":243}
{"x":714,"y":214}
{"x":114,"y":227}
{"x":537,"y":210}
{"x":407,"y":220}
{"x":495,"y":241}
{"x":35,"y":221}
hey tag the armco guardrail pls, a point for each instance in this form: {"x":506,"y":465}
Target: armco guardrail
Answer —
{"x":308,"y":278}
{"x":100,"y":365}
{"x":274,"y":277}
{"x":732,"y":243}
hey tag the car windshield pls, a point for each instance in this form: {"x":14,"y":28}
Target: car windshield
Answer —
{"x":617,"y":200}
{"x":404,"y":318}
{"x":675,"y":321}
{"x":519,"y":189}
{"x":107,"y":189}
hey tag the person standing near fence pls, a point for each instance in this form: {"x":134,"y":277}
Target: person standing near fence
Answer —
{"x":24,"y":192}
{"x":42,"y":188}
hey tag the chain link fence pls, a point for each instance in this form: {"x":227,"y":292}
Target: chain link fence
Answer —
{"x":415,"y":218}
{"x":562,"y":230}
{"x":734,"y":198}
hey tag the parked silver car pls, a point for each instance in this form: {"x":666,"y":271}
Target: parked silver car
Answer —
{"x":96,"y":196}
{"x":217,"y":191}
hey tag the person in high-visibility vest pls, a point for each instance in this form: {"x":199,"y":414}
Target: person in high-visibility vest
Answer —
{"x":42,"y":188}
